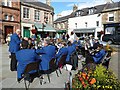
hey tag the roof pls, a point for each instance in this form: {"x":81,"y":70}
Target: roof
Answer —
{"x":37,"y":3}
{"x":85,"y":11}
{"x":110,"y":6}
{"x":64,"y":18}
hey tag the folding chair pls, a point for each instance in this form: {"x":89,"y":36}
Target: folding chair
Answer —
{"x":74,"y":60}
{"x":103,"y":58}
{"x":27,"y":75}
{"x":61,"y":62}
{"x":52,"y":67}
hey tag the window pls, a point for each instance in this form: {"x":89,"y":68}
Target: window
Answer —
{"x":110,"y":30}
{"x":79,"y":13}
{"x":6,"y":17}
{"x":86,"y":24}
{"x":46,"y":17}
{"x":11,"y":18}
{"x":111,"y":17}
{"x":97,"y":23}
{"x":26,"y":12}
{"x":118,"y":31}
{"x":91,"y":11}
{"x":9,"y":3}
{"x":37,"y":15}
{"x":3,"y":3}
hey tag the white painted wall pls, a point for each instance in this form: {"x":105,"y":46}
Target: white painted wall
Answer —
{"x":90,"y":19}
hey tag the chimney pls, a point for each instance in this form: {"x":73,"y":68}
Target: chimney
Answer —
{"x":59,"y":15}
{"x":75,"y":8}
{"x":109,"y":1}
{"x":48,"y":2}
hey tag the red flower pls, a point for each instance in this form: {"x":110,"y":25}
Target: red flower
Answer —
{"x":92,"y":81}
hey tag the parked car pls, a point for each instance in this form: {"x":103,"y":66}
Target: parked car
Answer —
{"x":111,"y":38}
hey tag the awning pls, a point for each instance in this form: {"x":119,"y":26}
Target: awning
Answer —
{"x":85,"y":30}
{"x":47,"y":28}
{"x":61,"y":31}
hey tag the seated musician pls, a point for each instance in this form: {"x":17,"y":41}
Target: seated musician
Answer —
{"x":47,"y":52}
{"x":62,"y":51}
{"x":71,"y":48}
{"x":96,"y":58}
{"x":24,"y":57}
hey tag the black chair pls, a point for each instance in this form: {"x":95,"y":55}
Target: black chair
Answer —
{"x":61,"y":62}
{"x":27,"y":76}
{"x":52,"y":68}
{"x":74,"y":60}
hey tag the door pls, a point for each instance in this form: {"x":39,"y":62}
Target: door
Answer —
{"x":26,"y":32}
{"x":8,"y":30}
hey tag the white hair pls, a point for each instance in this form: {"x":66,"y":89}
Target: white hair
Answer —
{"x":18,"y":30}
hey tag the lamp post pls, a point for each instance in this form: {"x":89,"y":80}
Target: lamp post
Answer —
{"x":43,"y":27}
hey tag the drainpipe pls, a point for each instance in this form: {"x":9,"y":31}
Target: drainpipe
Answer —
{"x":20,"y":18}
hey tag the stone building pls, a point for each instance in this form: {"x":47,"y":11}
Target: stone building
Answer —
{"x":61,"y":24}
{"x":36,"y":15}
{"x":111,"y":17}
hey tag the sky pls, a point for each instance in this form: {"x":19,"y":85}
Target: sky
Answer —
{"x":65,"y":7}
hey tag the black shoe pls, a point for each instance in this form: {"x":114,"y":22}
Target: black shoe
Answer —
{"x":13,"y":69}
{"x":31,"y":80}
{"x":19,"y":79}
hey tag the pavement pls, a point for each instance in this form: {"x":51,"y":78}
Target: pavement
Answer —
{"x":8,"y":79}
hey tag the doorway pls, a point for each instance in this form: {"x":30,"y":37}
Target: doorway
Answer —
{"x":8,"y":30}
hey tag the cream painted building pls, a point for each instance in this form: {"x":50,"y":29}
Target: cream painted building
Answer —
{"x":34,"y":15}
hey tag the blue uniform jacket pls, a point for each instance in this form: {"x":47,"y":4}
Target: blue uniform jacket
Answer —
{"x":24,"y":57}
{"x":47,"y":53}
{"x":98,"y":56}
{"x":71,"y":49}
{"x":77,"y":43}
{"x":14,"y":45}
{"x":62,"y":51}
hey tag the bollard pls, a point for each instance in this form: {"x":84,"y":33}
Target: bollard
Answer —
{"x":70,"y":79}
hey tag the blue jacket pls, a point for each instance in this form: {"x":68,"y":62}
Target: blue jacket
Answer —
{"x":24,"y":57}
{"x":98,"y":56}
{"x":14,"y":45}
{"x":71,"y":49}
{"x":62,"y":51}
{"x":77,"y":43}
{"x":47,"y":53}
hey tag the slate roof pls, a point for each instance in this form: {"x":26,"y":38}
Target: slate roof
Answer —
{"x":85,"y":11}
{"x":64,"y":18}
{"x":112,"y":5}
{"x":37,"y":3}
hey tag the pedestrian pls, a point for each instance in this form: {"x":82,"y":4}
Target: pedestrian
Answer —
{"x":67,"y":36}
{"x":14,"y":46}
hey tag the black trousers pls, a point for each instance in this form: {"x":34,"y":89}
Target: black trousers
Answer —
{"x":89,"y":59}
{"x":13,"y":64}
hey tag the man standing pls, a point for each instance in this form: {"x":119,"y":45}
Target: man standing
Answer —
{"x":14,"y":46}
